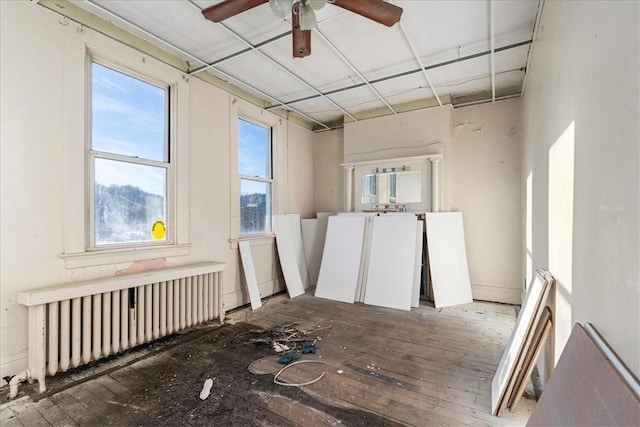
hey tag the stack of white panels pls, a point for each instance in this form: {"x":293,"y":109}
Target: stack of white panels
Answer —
{"x":372,"y":259}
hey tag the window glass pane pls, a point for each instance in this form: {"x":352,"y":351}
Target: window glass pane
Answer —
{"x":254,"y":150}
{"x":255,"y":206}
{"x":129,"y":199}
{"x":127,"y":115}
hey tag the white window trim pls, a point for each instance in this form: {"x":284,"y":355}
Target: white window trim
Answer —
{"x":168,"y":146}
{"x":82,"y":48}
{"x":243,"y":110}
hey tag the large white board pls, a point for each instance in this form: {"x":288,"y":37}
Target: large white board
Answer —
{"x":341,"y":257}
{"x":392,"y":256}
{"x":448,"y":259}
{"x":250,"y":274}
{"x":314,"y":232}
{"x":291,"y":252}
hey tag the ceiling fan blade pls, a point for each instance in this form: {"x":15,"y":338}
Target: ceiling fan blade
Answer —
{"x":301,"y":38}
{"x":317,"y":4}
{"x":227,"y":9}
{"x":307,"y":16}
{"x":281,"y":8}
{"x":376,"y":10}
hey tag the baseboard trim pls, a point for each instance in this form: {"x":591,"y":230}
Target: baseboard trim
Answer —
{"x":496,"y":294}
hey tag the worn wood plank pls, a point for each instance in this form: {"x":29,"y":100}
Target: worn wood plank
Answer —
{"x":53,"y":414}
{"x":383,"y":367}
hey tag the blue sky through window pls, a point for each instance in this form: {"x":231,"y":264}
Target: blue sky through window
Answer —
{"x":128,"y":118}
{"x":253,"y":155}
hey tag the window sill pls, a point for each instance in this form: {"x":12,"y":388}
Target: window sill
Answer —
{"x":254,"y":240}
{"x":115,"y":256}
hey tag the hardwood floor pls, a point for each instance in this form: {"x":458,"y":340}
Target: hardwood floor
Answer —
{"x":382,"y":367}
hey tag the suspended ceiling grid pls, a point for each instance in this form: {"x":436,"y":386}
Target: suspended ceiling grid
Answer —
{"x":440,"y":52}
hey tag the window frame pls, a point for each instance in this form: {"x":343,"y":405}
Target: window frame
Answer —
{"x":267,"y":180}
{"x":241,"y":109}
{"x":82,"y":47}
{"x":92,"y":154}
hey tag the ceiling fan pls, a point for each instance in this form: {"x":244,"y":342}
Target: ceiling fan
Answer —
{"x":303,"y":17}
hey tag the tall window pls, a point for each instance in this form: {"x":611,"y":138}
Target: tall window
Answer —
{"x":256,"y":177}
{"x":129,"y":159}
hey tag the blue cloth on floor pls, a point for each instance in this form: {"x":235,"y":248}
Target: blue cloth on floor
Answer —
{"x":288,"y":357}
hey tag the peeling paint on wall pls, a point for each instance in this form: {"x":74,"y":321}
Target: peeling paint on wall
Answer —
{"x":145,"y":265}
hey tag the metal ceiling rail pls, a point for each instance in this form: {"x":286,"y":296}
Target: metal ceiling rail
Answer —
{"x":107,"y":12}
{"x":286,"y":70}
{"x":240,"y":52}
{"x":280,"y":103}
{"x":536,"y":26}
{"x":406,"y":73}
{"x":419,"y":61}
{"x":282,"y":67}
{"x":355,"y":70}
{"x":493,"y":43}
{"x":189,"y":55}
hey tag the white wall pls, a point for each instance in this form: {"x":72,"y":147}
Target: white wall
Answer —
{"x":42,"y":122}
{"x":329,"y":173}
{"x":481,"y":147}
{"x":485,"y":152}
{"x":581,"y":179}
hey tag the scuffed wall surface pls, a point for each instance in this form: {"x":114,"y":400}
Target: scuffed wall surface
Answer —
{"x":581,"y":131}
{"x":329,"y":182}
{"x":486,"y":188}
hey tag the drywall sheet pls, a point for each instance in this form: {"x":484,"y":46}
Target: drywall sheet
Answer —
{"x":249,"y":274}
{"x":448,"y":259}
{"x":417,"y":273}
{"x":617,"y":364}
{"x":390,"y":273}
{"x":585,"y":390}
{"x":314,"y":232}
{"x":341,"y":257}
{"x":543,"y":330}
{"x":291,"y":252}
{"x":516,"y":346}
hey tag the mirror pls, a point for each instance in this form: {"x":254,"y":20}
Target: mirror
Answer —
{"x":392,"y":187}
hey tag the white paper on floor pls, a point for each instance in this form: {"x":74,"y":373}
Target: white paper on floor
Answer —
{"x":206,"y":389}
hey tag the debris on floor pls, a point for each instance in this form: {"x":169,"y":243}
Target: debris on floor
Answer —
{"x":288,"y":357}
{"x":206,"y":389}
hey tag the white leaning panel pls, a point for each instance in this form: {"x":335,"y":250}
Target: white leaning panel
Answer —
{"x":340,"y":265}
{"x":250,"y":274}
{"x":448,"y":259}
{"x":391,"y":269}
{"x":289,"y":243}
